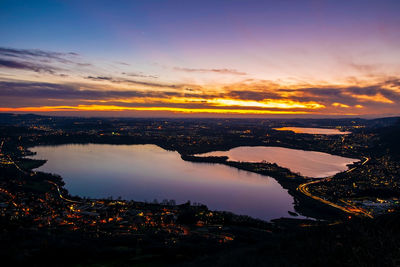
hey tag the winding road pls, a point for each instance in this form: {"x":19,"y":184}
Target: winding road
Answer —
{"x":303,"y":188}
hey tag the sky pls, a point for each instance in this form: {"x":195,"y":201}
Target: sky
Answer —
{"x":231,"y":58}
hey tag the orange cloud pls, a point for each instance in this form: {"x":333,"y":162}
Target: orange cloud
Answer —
{"x":372,"y":98}
{"x":171,"y":109}
{"x":340,"y":105}
{"x":220,"y":102}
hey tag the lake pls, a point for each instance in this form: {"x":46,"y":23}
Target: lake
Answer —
{"x":307,"y":163}
{"x":312,"y":130}
{"x":148,"y":172}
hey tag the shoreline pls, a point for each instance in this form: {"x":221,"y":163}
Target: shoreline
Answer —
{"x":303,"y":205}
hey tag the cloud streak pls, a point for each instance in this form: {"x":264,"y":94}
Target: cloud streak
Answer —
{"x":218,"y":71}
{"x":71,"y":91}
{"x":28,"y":54}
{"x":128,"y":81}
{"x":140,"y":75}
{"x":39,"y":61}
{"x":11,"y":64}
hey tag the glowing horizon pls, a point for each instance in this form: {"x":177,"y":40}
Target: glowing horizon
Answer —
{"x":228,"y":58}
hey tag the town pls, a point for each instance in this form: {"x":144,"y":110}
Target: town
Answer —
{"x":38,"y":203}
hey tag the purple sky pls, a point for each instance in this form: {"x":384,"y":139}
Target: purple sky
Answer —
{"x":201,"y":58}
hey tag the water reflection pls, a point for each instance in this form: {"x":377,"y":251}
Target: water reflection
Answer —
{"x":308,"y":163}
{"x":147,"y":172}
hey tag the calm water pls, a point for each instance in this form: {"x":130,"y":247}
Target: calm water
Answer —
{"x":312,"y":130}
{"x":308,"y":163}
{"x":148,"y":172}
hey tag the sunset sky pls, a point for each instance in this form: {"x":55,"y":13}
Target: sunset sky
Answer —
{"x":200,"y":58}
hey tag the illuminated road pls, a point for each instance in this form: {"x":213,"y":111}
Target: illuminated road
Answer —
{"x":11,"y":161}
{"x":59,"y":193}
{"x":15,"y":164}
{"x":11,"y":196}
{"x":352,"y":209}
{"x":24,"y":172}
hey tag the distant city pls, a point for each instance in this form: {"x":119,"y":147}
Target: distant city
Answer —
{"x":40,"y":206}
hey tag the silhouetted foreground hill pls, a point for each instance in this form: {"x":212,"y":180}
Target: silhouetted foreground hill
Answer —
{"x":355,"y":243}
